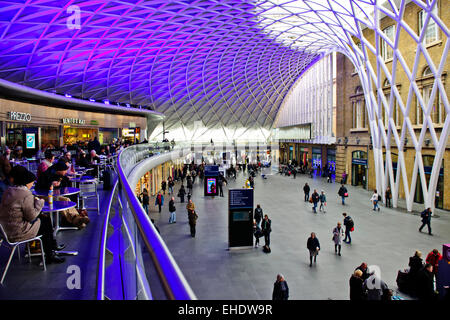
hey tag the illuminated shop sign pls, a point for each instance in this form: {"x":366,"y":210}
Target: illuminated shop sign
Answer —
{"x":73,"y":121}
{"x":19,"y":116}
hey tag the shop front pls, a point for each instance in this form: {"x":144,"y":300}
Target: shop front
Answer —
{"x":359,"y":168}
{"x":34,"y":127}
{"x":331,"y":160}
{"x":317,"y":160}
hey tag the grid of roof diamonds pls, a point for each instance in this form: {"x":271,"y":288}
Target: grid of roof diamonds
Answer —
{"x":192,"y":60}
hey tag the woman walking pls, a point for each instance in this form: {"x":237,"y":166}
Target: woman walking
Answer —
{"x":338,"y":233}
{"x":375,"y":198}
{"x":192,"y":216}
{"x":181,"y":193}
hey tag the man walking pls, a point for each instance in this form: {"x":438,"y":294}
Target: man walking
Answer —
{"x":343,"y":193}
{"x":172,"y":210}
{"x":266,"y":230}
{"x":323,"y":201}
{"x":426,"y":220}
{"x":349,"y":224}
{"x":258,"y":216}
{"x":315,"y":200}
{"x":313,"y":246}
{"x":306,"y":190}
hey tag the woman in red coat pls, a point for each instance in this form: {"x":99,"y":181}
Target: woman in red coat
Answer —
{"x":433,"y":258}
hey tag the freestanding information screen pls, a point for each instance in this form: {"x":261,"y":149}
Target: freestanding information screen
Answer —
{"x":210,"y":181}
{"x":240,"y":218}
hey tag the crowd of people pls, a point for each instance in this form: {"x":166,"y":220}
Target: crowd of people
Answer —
{"x":21,"y":213}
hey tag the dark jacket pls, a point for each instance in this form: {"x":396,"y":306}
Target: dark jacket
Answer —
{"x":46,"y":179}
{"x":182,"y":192}
{"x":415,"y":265}
{"x":145,"y":199}
{"x":426,"y":216}
{"x":356,"y":288}
{"x":312,"y":244}
{"x":315,"y":197}
{"x":342,"y":191}
{"x":192,"y":216}
{"x":258,"y":215}
{"x":348,"y":222}
{"x":306,"y":189}
{"x":280,"y":291}
{"x":266,"y":226}
{"x":172,"y":206}
{"x":163,"y":185}
{"x":425,"y":289}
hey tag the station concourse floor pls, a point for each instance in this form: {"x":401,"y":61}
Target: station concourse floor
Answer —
{"x":386,"y":238}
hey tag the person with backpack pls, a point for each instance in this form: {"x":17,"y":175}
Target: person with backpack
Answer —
{"x":323,"y":201}
{"x":343,"y":193}
{"x":258,"y":216}
{"x":426,"y":220}
{"x":315,"y":200}
{"x":349,"y":224}
{"x":306,"y":190}
{"x":172,"y":210}
{"x":159,"y":201}
{"x":145,"y":199}
{"x":313,"y":246}
{"x":375,"y":198}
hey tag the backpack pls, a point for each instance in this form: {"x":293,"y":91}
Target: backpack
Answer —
{"x":350,"y":223}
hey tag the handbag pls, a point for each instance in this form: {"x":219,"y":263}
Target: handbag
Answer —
{"x":352,"y":229}
{"x":346,"y":194}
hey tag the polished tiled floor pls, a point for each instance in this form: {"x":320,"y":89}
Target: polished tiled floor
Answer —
{"x":386,"y":238}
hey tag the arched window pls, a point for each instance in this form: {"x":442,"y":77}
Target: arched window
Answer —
{"x":426,"y":71}
{"x":427,"y":87}
{"x":358,"y":109}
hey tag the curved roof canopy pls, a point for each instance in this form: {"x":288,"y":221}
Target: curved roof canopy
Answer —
{"x":224,"y":63}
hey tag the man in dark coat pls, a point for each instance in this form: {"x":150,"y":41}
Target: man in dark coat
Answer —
{"x":280,"y":289}
{"x":313,"y":246}
{"x":349,"y":224}
{"x":342,"y":192}
{"x":363,"y":268}
{"x":425,"y":289}
{"x":266,"y":227}
{"x":306,"y":190}
{"x":192,"y":216}
{"x":426,"y":220}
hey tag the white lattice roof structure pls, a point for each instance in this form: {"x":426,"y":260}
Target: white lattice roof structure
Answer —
{"x":221,"y":68}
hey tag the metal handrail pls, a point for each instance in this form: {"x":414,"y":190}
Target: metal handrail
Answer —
{"x":101,"y":268}
{"x":171,"y":277}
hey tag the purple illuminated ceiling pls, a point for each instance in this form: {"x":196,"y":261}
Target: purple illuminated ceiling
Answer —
{"x":191,"y":60}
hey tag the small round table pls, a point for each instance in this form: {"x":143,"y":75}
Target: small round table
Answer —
{"x":57,"y":207}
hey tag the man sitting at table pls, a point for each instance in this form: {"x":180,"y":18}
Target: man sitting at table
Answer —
{"x":94,"y":158}
{"x":20,"y":214}
{"x":56,"y":176}
{"x":68,"y":159}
